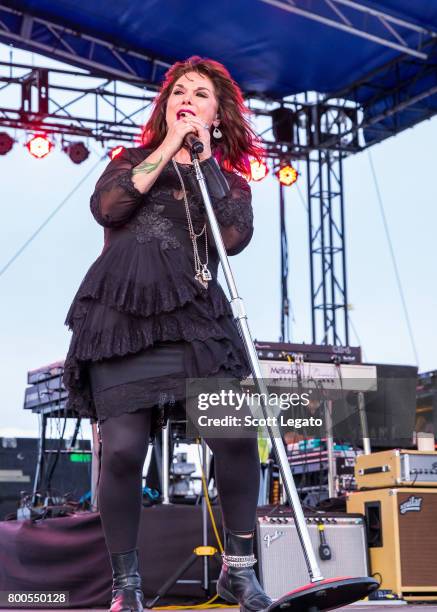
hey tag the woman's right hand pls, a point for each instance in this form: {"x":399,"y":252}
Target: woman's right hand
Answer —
{"x":146,"y":173}
{"x":176,"y":133}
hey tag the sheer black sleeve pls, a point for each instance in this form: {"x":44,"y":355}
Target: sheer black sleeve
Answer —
{"x":231,"y":199}
{"x":115,"y":197}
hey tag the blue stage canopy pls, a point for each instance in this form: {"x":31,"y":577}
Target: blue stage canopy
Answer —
{"x":273,"y":48}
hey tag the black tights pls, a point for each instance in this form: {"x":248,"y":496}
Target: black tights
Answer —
{"x":125,"y":441}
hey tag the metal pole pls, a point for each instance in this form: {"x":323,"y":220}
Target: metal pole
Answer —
{"x":95,"y":467}
{"x":364,"y":424}
{"x":330,"y":449}
{"x":274,"y":432}
{"x":312,"y":253}
{"x":165,"y":464}
{"x":285,"y":302}
{"x":323,"y":267}
{"x":330,"y":251}
{"x":343,"y":250}
{"x":40,"y":458}
{"x":205,"y":467}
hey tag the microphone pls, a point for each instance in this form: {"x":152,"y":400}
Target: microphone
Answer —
{"x":191,"y":141}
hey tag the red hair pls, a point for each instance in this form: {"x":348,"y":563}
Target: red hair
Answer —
{"x":239,"y":141}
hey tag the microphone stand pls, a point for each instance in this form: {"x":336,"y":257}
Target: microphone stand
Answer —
{"x":274,"y":432}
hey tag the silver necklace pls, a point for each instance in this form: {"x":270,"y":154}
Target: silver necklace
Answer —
{"x":203,"y":275}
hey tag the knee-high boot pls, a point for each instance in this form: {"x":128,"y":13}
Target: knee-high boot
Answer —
{"x":237,"y":582}
{"x":127,"y":595}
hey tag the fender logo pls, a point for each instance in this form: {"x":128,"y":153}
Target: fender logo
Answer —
{"x":270,"y":538}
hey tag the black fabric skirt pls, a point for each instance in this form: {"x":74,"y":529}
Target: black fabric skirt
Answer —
{"x":134,"y":382}
{"x":153,"y":379}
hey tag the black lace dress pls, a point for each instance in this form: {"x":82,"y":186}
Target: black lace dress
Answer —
{"x":140,"y":302}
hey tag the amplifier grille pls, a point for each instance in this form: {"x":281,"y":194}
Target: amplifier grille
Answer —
{"x":418,"y":538}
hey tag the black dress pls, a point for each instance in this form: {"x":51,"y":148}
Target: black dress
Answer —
{"x":141,"y":322}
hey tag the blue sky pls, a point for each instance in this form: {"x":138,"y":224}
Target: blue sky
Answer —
{"x":37,"y":289}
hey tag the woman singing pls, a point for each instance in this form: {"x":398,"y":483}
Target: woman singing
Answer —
{"x":150,"y":313}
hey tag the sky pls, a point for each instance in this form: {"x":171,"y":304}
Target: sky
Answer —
{"x":37,"y":289}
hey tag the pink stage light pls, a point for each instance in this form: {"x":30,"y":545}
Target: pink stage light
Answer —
{"x":39,"y":146}
{"x":116,"y":151}
{"x":259,"y":171}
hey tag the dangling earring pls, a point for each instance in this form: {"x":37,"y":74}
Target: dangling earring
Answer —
{"x":217,"y":133}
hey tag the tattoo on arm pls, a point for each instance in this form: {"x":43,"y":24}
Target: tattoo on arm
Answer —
{"x":146,"y":167}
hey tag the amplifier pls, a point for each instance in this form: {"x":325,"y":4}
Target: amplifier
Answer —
{"x":402,"y":538}
{"x":396,"y":468}
{"x":339,"y":541}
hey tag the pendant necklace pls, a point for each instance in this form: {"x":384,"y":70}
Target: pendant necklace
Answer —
{"x":203,"y":274}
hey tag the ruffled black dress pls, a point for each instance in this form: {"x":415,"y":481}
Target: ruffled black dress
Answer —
{"x":139,"y":311}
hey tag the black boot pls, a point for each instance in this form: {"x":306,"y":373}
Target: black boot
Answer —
{"x":237,"y":582}
{"x":127,"y":595}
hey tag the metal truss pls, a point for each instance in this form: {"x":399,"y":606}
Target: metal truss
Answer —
{"x":327,"y":249}
{"x":72,"y":103}
{"x":317,"y":125}
{"x":74,"y":47}
{"x":322,"y":131}
{"x":363,"y":21}
{"x":337,"y":121}
{"x":390,"y":99}
{"x":322,"y":134}
{"x":383,"y":103}
{"x":113,"y":113}
{"x":75,"y":103}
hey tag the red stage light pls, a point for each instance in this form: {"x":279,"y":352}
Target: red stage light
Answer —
{"x":39,"y":146}
{"x":287,"y":175}
{"x":116,"y":151}
{"x":259,"y":171}
{"x":6,"y":143}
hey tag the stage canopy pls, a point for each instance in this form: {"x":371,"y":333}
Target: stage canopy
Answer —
{"x":380,"y":54}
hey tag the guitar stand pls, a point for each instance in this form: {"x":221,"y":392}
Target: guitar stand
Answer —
{"x":320,"y":594}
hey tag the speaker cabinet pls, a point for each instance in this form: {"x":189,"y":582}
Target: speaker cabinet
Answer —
{"x":402,"y":538}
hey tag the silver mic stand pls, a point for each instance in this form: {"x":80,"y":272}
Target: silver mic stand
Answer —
{"x":274,"y":432}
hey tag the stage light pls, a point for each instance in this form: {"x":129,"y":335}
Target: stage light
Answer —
{"x":287,"y":175}
{"x":259,"y":171}
{"x":39,"y":146}
{"x":6,"y":143}
{"x":116,"y":151}
{"x":77,"y":152}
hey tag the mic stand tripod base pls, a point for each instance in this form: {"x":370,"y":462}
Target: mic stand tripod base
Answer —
{"x":326,"y":594}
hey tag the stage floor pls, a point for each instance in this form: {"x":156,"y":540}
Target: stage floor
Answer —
{"x":424,"y":607}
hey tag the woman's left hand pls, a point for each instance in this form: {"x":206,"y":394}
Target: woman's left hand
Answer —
{"x":202,"y":132}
